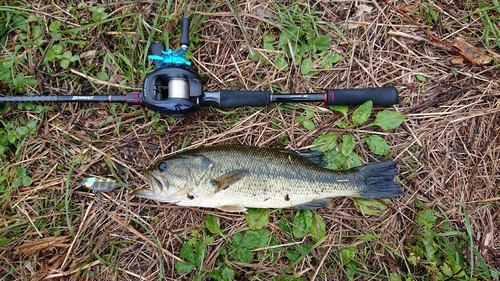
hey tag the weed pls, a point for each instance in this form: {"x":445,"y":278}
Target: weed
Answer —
{"x":58,"y":52}
{"x":13,"y":136}
{"x":299,"y":41}
{"x":438,"y":250}
{"x":153,"y":236}
{"x":370,"y":207}
{"x":160,"y":123}
{"x":421,"y":78}
{"x":430,"y":16}
{"x":242,"y":244}
{"x":257,"y":219}
{"x":491,"y":29}
{"x":213,"y":225}
{"x":193,"y":252}
{"x":305,"y":119}
{"x":254,"y":244}
{"x":11,"y":178}
{"x":112,"y":256}
{"x":14,"y":65}
{"x":341,"y":155}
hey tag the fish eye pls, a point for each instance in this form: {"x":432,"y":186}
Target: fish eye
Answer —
{"x":162,"y":166}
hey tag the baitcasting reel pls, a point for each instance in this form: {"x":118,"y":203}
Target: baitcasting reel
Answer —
{"x":172,"y":88}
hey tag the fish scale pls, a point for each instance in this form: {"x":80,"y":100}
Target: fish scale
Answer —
{"x":233,"y":178}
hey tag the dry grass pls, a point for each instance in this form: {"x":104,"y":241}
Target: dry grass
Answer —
{"x":449,"y":149}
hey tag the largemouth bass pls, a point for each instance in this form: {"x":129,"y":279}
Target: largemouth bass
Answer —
{"x":233,"y":178}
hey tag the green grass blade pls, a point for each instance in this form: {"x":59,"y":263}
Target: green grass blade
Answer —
{"x":470,"y":241}
{"x":153,"y":236}
{"x":67,"y":196}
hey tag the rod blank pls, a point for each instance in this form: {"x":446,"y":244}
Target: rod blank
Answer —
{"x":77,"y":98}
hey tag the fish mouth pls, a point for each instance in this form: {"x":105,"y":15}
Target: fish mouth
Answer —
{"x":157,"y":186}
{"x":157,"y":182}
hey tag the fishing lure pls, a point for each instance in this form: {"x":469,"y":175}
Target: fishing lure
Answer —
{"x":98,"y":184}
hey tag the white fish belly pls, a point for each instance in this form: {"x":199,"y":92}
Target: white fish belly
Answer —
{"x":268,"y":193}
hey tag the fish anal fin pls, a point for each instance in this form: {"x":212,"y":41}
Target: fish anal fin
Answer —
{"x":232,"y":208}
{"x":313,"y":205}
{"x":228,"y":179}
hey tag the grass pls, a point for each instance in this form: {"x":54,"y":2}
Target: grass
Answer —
{"x":444,"y":228}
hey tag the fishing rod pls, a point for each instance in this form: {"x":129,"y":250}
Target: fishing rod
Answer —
{"x":176,"y":90}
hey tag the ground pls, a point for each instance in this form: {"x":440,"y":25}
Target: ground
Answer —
{"x":445,"y":227}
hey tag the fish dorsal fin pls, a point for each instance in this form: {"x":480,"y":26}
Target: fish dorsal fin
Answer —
{"x":316,"y":157}
{"x":232,"y":208}
{"x":228,"y":179}
{"x":313,"y":205}
{"x":201,"y":161}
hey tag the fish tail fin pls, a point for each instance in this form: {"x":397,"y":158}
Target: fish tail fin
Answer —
{"x":379,"y":180}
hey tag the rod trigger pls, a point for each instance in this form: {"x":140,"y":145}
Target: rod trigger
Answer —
{"x":133,"y":98}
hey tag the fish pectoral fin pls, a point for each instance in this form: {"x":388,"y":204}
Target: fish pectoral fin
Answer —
{"x":228,"y":179}
{"x":232,"y":208}
{"x":313,"y":205}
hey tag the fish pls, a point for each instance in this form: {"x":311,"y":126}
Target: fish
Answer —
{"x":233,"y":178}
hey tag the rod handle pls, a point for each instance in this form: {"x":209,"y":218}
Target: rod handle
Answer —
{"x":382,"y":96}
{"x":230,"y":98}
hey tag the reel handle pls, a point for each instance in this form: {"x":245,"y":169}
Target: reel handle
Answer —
{"x":185,"y":33}
{"x":156,"y":48}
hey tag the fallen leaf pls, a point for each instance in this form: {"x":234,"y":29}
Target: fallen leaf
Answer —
{"x":91,"y":53}
{"x":264,"y":12}
{"x":470,"y":53}
{"x":44,"y":243}
{"x":457,"y":60}
{"x":362,"y":9}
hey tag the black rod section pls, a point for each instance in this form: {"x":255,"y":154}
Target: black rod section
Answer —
{"x":382,"y":96}
{"x":297,"y":97}
{"x":77,"y":98}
